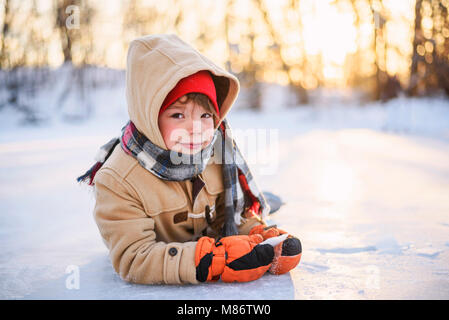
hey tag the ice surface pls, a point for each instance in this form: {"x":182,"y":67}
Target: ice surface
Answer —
{"x":366,"y":191}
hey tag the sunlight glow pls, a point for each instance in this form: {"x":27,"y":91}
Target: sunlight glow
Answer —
{"x":311,"y":42}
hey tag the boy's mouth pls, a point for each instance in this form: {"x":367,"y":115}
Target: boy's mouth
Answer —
{"x":191,"y":146}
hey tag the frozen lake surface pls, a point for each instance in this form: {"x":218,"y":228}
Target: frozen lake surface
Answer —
{"x":370,"y":205}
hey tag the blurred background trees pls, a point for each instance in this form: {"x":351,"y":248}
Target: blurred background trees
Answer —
{"x":380,"y":49}
{"x":429,"y":71}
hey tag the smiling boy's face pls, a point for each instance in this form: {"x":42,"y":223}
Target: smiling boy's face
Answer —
{"x":186,"y":126}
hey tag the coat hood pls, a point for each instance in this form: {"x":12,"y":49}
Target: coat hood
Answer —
{"x":155,"y":64}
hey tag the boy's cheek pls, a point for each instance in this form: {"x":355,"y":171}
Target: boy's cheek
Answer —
{"x":208,"y":134}
{"x":164,"y":127}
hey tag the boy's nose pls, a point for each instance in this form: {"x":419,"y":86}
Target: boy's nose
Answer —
{"x":194,"y":131}
{"x":194,"y":127}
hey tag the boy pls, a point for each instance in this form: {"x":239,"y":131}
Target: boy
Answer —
{"x":160,"y":219}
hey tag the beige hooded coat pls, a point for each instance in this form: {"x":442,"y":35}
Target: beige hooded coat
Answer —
{"x":149,"y":225}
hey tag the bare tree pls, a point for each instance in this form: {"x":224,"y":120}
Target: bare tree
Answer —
{"x":298,"y":89}
{"x":20,"y":79}
{"x":73,"y":22}
{"x":60,"y":7}
{"x":429,"y":71}
{"x":5,"y":30}
{"x":355,"y":61}
{"x":439,"y":44}
{"x":416,"y":57}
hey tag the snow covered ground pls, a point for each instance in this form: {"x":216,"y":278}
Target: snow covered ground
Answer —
{"x":366,"y":191}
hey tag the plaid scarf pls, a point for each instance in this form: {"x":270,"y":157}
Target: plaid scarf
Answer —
{"x":241,"y":192}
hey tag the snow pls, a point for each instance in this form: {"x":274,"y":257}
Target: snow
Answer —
{"x":365,"y":187}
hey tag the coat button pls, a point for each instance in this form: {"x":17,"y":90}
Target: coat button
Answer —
{"x":172,"y":251}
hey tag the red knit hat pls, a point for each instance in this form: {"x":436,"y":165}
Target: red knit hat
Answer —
{"x":200,"y":82}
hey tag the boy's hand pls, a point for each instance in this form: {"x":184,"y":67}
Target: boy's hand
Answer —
{"x":287,"y":254}
{"x":235,"y":258}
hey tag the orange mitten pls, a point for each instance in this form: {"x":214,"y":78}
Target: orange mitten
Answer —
{"x":235,"y":258}
{"x":287,"y":254}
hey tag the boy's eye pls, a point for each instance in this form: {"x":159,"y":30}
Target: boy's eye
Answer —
{"x":206,"y":115}
{"x":177,"y":115}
